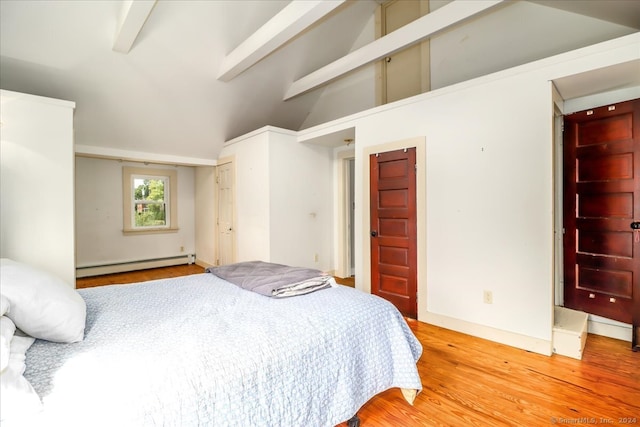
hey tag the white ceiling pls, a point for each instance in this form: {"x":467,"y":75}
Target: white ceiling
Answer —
{"x":163,"y":96}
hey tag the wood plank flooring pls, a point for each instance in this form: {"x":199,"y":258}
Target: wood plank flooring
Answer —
{"x":139,"y":276}
{"x":469,"y":381}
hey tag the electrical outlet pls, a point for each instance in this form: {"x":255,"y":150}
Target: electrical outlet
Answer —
{"x":487,"y":297}
{"x":181,"y":248}
{"x":315,"y":257}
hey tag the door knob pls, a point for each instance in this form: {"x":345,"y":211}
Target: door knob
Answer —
{"x":635,"y":225}
{"x":374,"y":233}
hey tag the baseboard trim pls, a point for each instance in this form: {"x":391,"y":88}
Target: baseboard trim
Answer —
{"x":125,"y":266}
{"x":619,"y":331}
{"x":511,"y":339}
{"x":203,"y":264}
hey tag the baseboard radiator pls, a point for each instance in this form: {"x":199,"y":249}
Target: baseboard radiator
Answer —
{"x":124,"y":266}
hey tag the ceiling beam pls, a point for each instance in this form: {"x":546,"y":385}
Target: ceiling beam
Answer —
{"x":403,"y":37}
{"x":288,"y":23}
{"x":134,"y":14}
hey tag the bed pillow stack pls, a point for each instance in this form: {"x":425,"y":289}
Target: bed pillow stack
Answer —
{"x":40,"y":305}
{"x":17,"y":396}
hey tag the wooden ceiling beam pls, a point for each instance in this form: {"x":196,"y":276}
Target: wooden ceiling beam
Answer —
{"x":287,"y":24}
{"x":403,"y":37}
{"x":134,"y":14}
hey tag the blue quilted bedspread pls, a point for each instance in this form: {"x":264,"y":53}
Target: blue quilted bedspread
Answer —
{"x":199,"y":351}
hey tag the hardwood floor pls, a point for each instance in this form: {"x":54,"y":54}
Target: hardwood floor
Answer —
{"x":138,"y":276}
{"x":471,"y":381}
{"x":347,"y":281}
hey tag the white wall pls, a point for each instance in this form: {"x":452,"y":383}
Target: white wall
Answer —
{"x":359,"y":85}
{"x":473,"y":49}
{"x":99,"y":217}
{"x":477,"y":48}
{"x":489,"y":193}
{"x":205,"y":215}
{"x":284,"y":201}
{"x":301,"y":203}
{"x":489,"y":200}
{"x":252,"y":195}
{"x":37,"y":175}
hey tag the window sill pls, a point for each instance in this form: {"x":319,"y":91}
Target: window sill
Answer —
{"x":134,"y":232}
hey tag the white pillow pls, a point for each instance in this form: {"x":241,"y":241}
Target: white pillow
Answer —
{"x":42,"y":305}
{"x":7,"y":329}
{"x":18,"y":399}
{"x":4,"y":305}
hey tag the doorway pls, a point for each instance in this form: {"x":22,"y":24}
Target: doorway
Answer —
{"x":345,"y":231}
{"x":363,"y":236}
{"x":226,"y":236}
{"x":407,"y":72}
{"x":601,"y":205}
{"x":393,"y":228}
{"x":351,"y":207}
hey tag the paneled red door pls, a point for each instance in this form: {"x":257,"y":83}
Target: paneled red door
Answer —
{"x":601,"y":211}
{"x":393,"y":228}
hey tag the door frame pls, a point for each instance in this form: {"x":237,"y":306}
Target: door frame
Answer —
{"x":420,"y":144}
{"x":344,"y":255}
{"x":425,"y":53}
{"x":234,"y":238}
{"x":558,"y":195}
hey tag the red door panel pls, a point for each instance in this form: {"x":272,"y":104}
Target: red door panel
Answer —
{"x":393,"y":229}
{"x":601,"y":200}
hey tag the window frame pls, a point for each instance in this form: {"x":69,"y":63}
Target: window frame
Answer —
{"x":170,"y":178}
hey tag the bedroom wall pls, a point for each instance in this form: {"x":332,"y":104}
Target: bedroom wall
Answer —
{"x":37,"y":175}
{"x":251,"y":153}
{"x":99,"y":221}
{"x":355,"y":91}
{"x":489,"y":205}
{"x":472,"y":49}
{"x":205,"y":216}
{"x":284,"y":199}
{"x":489,"y":193}
{"x":301,"y":202}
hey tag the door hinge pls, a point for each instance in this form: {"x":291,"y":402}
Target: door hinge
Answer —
{"x":217,"y":179}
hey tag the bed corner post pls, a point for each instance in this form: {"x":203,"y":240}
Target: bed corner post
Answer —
{"x":354,"y":421}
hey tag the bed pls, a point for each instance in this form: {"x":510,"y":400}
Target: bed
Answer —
{"x":201,"y":351}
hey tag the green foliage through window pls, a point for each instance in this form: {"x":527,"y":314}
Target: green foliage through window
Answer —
{"x":150,"y":208}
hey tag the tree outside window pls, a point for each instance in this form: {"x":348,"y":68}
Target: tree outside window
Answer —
{"x":149,"y":200}
{"x":150,"y":207}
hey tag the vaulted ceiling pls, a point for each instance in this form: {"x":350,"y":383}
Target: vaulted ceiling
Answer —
{"x":179,"y":78}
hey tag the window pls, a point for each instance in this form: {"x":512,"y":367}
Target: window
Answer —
{"x":150,"y":200}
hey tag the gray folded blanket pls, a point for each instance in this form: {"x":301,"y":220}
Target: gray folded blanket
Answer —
{"x":272,"y":280}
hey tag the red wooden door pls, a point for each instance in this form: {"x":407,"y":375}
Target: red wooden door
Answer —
{"x":393,"y":228}
{"x":601,"y":201}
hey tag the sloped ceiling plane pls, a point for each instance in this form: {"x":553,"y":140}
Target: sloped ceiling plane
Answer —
{"x":182,"y":77}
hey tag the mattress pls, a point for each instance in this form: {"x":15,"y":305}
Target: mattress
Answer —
{"x":197,"y":350}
